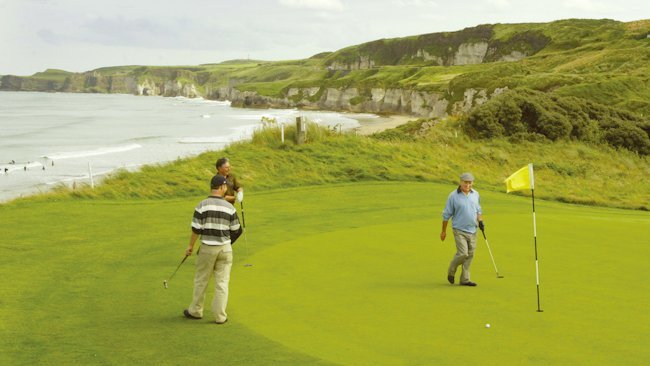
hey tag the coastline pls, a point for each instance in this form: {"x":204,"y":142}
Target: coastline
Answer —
{"x":379,"y":124}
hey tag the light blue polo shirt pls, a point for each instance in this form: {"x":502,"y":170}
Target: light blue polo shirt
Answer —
{"x":462,"y":210}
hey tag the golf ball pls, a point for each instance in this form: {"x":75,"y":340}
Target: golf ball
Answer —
{"x":487,"y":325}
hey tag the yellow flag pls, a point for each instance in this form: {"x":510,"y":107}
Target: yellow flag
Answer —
{"x":521,"y":179}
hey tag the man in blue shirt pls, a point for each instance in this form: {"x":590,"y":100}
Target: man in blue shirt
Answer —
{"x":464,"y":208}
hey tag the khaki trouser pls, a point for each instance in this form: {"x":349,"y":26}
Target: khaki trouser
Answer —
{"x":465,"y":246}
{"x":217,"y":259}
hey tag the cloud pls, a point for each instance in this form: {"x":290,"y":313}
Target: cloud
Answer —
{"x":414,"y":3}
{"x":120,"y":31}
{"x":313,"y":4}
{"x":48,"y":36}
{"x":586,"y":5}
{"x":501,"y":4}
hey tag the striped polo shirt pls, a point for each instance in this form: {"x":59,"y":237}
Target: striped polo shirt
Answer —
{"x":215,"y":219}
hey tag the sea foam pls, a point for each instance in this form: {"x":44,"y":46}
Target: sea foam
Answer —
{"x":95,"y":152}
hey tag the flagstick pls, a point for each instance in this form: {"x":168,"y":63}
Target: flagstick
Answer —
{"x":532,"y":192}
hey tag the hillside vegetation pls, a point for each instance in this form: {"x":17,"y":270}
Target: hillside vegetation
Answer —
{"x":578,"y":79}
{"x":421,"y":151}
{"x":531,"y":115}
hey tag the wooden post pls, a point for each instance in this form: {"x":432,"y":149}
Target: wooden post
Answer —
{"x":90,"y":174}
{"x":301,"y":130}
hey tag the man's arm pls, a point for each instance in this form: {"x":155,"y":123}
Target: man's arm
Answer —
{"x":235,"y":229}
{"x":447,"y":213}
{"x":443,"y":234}
{"x":190,"y":247}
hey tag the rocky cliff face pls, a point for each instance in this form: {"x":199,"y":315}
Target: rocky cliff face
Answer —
{"x":469,"y":53}
{"x":93,"y":82}
{"x":352,"y":99}
{"x":377,"y":100}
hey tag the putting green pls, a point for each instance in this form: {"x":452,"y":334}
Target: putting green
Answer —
{"x":377,"y":294}
{"x":343,"y":274}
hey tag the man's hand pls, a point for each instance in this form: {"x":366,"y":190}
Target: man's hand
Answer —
{"x":481,"y":225}
{"x":443,"y":235}
{"x":188,"y":251}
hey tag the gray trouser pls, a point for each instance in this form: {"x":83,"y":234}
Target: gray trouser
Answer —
{"x":465,"y":246}
{"x":215,"y":259}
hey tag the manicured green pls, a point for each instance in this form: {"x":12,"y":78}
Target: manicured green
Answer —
{"x":343,"y":274}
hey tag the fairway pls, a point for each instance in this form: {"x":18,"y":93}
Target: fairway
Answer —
{"x":342,"y":274}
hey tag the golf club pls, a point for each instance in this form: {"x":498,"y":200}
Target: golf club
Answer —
{"x":165,"y":282}
{"x":491,"y":256}
{"x":243,"y":220}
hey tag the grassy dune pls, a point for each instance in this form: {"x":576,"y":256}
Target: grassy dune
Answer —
{"x":566,"y":171}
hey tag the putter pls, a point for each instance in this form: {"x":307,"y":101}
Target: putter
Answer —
{"x":243,"y":220}
{"x":491,"y":256}
{"x":165,"y":282}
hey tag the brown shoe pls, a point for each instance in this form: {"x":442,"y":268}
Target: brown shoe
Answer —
{"x":190,"y":316}
{"x":450,"y":279}
{"x":468,"y":283}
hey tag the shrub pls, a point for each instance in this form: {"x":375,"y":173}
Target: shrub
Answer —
{"x":530,"y":115}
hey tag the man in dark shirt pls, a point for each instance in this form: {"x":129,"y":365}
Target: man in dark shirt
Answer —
{"x":235,"y":190}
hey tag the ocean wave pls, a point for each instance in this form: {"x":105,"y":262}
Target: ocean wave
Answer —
{"x":86,"y":153}
{"x":146,"y":138}
{"x":19,"y":166}
{"x":205,"y":140}
{"x":183,"y":99}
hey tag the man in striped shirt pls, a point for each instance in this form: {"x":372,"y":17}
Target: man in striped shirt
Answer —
{"x":215,"y":221}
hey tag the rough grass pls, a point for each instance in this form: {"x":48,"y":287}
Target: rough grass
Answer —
{"x":565,"y":171}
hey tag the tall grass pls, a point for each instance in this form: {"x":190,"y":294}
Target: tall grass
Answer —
{"x":565,"y":171}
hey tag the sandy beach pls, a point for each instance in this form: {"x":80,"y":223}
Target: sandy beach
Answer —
{"x":372,"y":125}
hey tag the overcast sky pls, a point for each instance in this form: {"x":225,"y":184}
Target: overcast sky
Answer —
{"x":81,"y":35}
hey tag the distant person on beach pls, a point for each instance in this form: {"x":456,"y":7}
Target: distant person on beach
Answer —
{"x":235,"y":191}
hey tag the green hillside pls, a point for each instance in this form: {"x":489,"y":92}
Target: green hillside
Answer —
{"x":603,"y":61}
{"x":592,"y":79}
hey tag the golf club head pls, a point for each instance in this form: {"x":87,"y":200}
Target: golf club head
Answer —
{"x":248,"y":265}
{"x":165,"y":283}
{"x":499,"y":276}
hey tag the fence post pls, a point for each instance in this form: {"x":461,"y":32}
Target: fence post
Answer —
{"x":301,"y":130}
{"x":90,"y":174}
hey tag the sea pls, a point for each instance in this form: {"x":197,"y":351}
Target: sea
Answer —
{"x":50,"y":139}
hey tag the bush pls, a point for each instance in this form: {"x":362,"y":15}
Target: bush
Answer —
{"x":530,"y":115}
{"x":629,"y":137}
